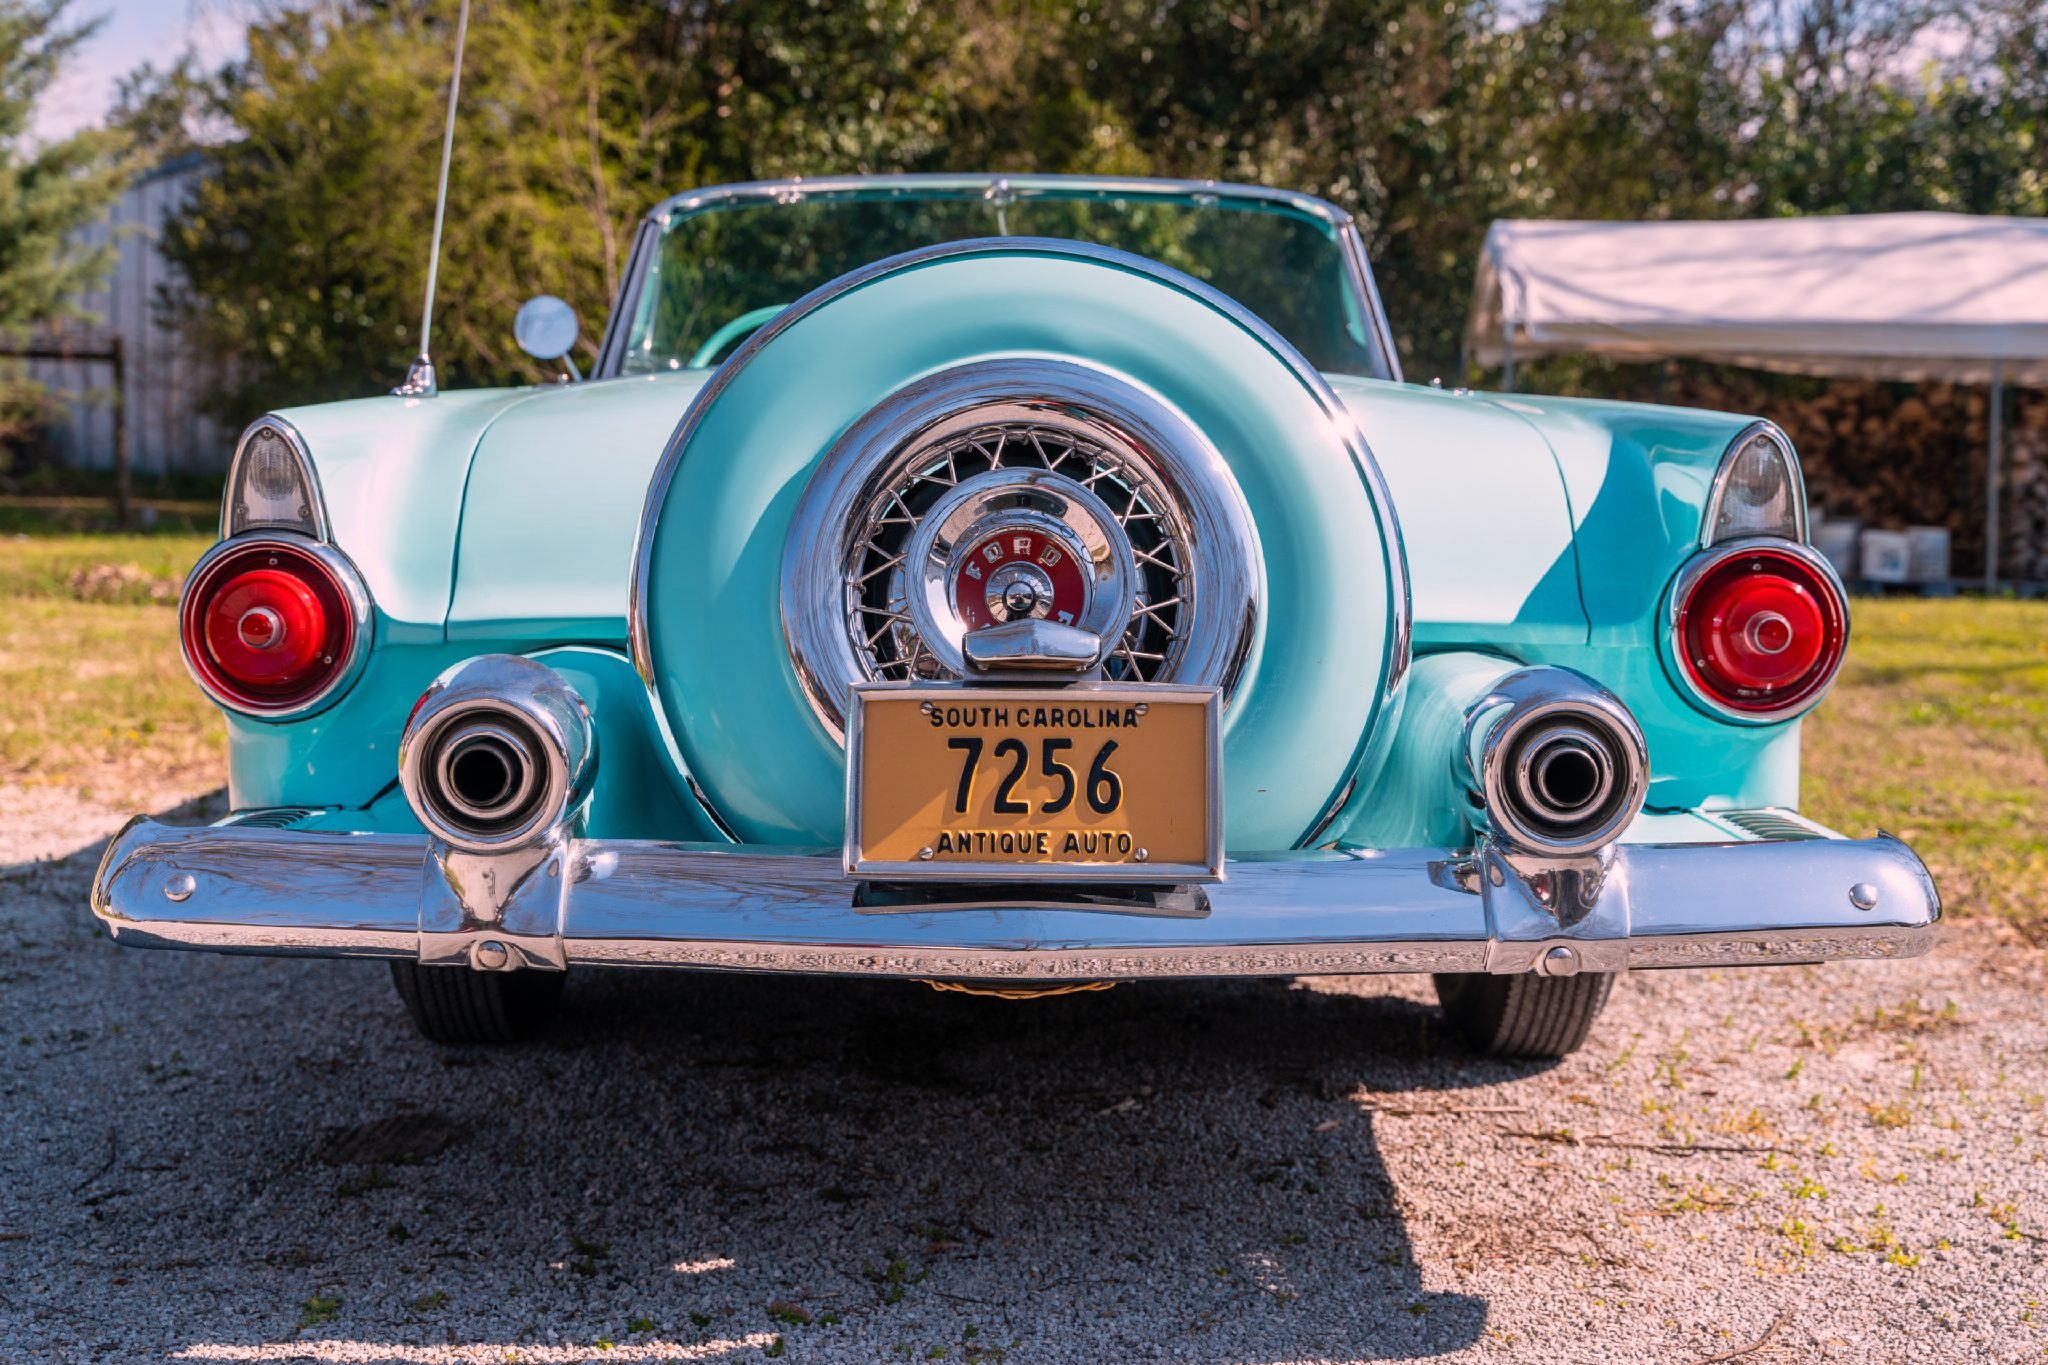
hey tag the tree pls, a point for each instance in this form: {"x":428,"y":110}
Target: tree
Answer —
{"x":47,"y":192}
{"x":306,"y":251}
{"x":306,"y":247}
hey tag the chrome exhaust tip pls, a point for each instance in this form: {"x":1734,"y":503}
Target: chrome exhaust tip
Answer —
{"x":496,"y":754}
{"x":485,"y":772}
{"x":1560,"y":764}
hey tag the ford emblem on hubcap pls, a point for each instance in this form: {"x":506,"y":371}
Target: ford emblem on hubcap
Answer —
{"x":1016,"y":544}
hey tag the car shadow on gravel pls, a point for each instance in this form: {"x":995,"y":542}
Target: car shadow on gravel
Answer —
{"x":1205,"y":1147}
{"x":862,"y":1168}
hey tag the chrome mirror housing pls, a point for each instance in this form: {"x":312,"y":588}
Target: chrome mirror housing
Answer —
{"x":546,"y":329}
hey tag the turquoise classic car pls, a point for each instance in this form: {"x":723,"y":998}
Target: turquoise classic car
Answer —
{"x":1012,"y":584}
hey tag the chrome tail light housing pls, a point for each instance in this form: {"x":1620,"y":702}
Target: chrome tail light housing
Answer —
{"x":1757,"y":630}
{"x":271,"y":484}
{"x":1757,"y":489}
{"x":274,"y":625}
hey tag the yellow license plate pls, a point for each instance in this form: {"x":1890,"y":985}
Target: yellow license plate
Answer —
{"x":1089,"y":782}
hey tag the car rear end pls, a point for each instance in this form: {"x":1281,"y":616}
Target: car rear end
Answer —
{"x":1022,"y":614}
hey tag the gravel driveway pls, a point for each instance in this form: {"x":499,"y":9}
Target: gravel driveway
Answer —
{"x":228,"y":1159}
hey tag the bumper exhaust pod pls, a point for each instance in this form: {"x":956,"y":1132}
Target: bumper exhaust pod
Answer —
{"x":496,"y":762}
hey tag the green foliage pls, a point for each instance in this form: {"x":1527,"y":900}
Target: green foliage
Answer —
{"x":307,"y":250}
{"x":48,"y":193}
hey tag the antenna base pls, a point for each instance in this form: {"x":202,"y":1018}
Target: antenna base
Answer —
{"x":419,"y":380}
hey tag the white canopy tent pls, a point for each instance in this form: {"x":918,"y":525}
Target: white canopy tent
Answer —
{"x":1911,"y":296}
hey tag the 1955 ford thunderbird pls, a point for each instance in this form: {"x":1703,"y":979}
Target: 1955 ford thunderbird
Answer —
{"x":1011,"y":584}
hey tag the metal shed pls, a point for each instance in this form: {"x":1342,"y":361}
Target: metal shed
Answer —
{"x":163,"y":380}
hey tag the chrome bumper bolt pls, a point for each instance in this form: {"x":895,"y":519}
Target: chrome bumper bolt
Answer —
{"x":1561,"y":961}
{"x":1863,"y":896}
{"x":489,"y":955}
{"x":180,"y":887}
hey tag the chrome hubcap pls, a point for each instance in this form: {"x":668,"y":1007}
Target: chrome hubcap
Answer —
{"x":1003,"y":521}
{"x":1010,"y":544}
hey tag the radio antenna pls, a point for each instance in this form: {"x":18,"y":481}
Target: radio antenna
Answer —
{"x":419,"y":376}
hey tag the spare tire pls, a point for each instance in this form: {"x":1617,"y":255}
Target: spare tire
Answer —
{"x":775,"y":497}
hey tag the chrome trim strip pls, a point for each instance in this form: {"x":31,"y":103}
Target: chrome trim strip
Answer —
{"x":362,"y":614}
{"x":1719,"y":485}
{"x":646,"y":903}
{"x":316,"y":499}
{"x":611,"y":348}
{"x":797,"y":188}
{"x":1400,"y":598}
{"x":1703,"y":563}
{"x":1358,"y":260}
{"x":1351,"y":242}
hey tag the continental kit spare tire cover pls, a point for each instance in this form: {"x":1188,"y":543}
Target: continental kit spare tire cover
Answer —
{"x":1262,"y":553}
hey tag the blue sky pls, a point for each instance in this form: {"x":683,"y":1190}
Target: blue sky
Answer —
{"x":135,"y":31}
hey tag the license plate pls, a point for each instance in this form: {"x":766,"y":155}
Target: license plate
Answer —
{"x":1089,"y":782}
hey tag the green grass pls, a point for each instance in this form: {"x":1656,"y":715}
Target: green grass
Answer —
{"x":65,"y":514}
{"x":93,"y":695}
{"x":1938,"y":732}
{"x":97,"y":568}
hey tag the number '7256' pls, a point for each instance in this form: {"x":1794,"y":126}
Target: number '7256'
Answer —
{"x":1103,"y":789}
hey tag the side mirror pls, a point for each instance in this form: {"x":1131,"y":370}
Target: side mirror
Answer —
{"x":546,"y":329}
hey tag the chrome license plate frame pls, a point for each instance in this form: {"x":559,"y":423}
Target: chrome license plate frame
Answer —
{"x":1198,"y":709}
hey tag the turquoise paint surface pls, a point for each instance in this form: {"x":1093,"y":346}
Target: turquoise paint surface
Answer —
{"x":1483,"y":514}
{"x":1637,"y":477}
{"x":634,"y":796}
{"x":721,"y":666}
{"x":1419,"y":799}
{"x":346,"y":754}
{"x":392,"y":472}
{"x":552,"y":504}
{"x":1538,"y":530}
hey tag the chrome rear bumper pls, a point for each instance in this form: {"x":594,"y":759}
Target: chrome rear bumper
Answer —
{"x":237,"y":888}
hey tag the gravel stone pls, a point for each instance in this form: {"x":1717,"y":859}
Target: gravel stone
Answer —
{"x":1839,"y":1163}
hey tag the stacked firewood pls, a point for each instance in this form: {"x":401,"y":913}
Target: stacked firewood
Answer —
{"x":2025,"y":528}
{"x":1898,"y":455}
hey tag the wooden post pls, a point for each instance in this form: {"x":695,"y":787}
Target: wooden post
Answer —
{"x":1991,"y":472}
{"x":122,"y":490}
{"x":61,"y":350}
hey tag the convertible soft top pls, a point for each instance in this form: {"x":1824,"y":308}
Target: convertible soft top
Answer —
{"x":1913,"y":296}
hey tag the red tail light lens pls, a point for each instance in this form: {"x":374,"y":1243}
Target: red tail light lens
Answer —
{"x":1760,"y":630}
{"x":270,"y":626}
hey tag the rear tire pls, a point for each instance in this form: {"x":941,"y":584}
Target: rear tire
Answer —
{"x":1523,"y":1015}
{"x":459,"y":1005}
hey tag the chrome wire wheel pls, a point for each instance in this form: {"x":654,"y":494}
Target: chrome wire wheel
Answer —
{"x":882,"y":577}
{"x":1105,"y":467}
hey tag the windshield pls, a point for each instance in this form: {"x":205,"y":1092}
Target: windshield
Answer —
{"x":715,"y":274}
